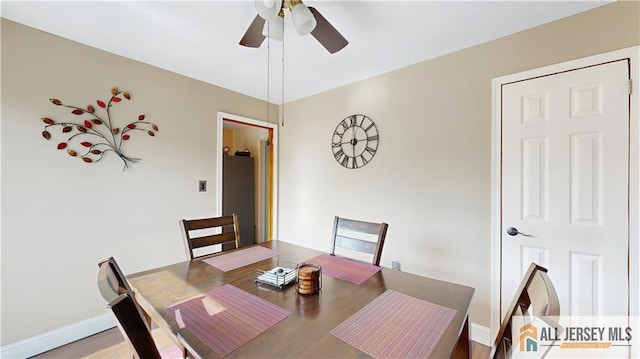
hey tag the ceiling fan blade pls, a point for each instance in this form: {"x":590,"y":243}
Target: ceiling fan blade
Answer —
{"x":253,"y":37}
{"x":326,"y":34}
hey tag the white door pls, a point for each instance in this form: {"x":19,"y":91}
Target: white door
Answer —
{"x":565,"y":182}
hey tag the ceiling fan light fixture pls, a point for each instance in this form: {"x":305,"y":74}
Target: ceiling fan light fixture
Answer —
{"x":274,"y":29}
{"x":268,"y":9}
{"x":303,"y":20}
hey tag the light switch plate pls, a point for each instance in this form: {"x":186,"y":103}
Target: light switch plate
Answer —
{"x":202,"y":186}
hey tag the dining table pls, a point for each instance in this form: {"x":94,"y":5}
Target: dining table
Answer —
{"x":214,"y":307}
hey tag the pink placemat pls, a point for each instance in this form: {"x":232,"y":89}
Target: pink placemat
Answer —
{"x":396,"y":325}
{"x":241,"y":258}
{"x":226,"y":317}
{"x":345,"y":269}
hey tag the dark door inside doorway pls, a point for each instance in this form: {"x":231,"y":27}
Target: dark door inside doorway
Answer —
{"x":238,"y":194}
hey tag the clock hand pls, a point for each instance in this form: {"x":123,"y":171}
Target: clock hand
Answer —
{"x":353,"y":141}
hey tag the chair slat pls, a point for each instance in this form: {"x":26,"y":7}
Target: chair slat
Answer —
{"x":359,"y":226}
{"x":355,"y":244}
{"x":196,"y":224}
{"x":205,"y":241}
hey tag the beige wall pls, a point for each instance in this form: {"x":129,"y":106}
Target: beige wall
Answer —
{"x":61,"y":216}
{"x":430,"y":179}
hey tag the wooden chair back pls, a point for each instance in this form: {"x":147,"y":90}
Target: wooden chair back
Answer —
{"x":133,"y":327}
{"x":536,"y":296}
{"x":344,"y":231}
{"x":111,"y":280}
{"x":112,"y":283}
{"x":229,"y":238}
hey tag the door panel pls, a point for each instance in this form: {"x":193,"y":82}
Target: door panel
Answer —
{"x":565,"y":180}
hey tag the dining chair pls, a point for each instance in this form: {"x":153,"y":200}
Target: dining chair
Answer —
{"x":359,"y":236}
{"x":536,"y":296}
{"x":198,"y":233}
{"x":136,"y":333}
{"x":112,"y":283}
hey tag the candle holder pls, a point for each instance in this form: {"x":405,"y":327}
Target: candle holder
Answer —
{"x":309,"y":278}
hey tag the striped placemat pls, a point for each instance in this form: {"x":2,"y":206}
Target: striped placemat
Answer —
{"x":396,"y":325}
{"x":241,"y":258}
{"x":226,"y":317}
{"x":345,"y":269}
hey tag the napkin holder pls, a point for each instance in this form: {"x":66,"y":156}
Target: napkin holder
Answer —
{"x":278,"y":277}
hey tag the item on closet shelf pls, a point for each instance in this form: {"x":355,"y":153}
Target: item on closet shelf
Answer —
{"x":245,"y":153}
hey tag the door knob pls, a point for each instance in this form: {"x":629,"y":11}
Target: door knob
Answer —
{"x":512,"y":231}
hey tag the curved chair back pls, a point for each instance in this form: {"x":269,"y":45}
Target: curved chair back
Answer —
{"x":112,"y":283}
{"x":536,"y":296}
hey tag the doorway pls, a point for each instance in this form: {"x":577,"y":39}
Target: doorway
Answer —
{"x":255,"y":142}
{"x":523,"y":195}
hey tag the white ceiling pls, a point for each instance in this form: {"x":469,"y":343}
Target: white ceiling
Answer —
{"x":200,"y":39}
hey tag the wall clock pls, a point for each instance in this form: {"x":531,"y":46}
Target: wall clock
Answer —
{"x":355,"y":141}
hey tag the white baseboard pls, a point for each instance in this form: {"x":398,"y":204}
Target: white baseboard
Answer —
{"x":50,"y":340}
{"x":481,"y":334}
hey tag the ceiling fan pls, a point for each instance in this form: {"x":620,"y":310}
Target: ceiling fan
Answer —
{"x":306,"y":19}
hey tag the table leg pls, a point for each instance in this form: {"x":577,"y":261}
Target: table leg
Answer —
{"x":463,"y":346}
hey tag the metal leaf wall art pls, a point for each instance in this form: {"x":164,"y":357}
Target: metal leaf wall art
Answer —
{"x":93,"y":136}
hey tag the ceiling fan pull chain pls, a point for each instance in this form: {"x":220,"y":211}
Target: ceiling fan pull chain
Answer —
{"x":268,"y":74}
{"x":282,"y":106}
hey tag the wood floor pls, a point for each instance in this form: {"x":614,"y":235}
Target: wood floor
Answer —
{"x":110,"y":345}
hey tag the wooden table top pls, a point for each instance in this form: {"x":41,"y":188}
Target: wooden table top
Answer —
{"x":305,"y":333}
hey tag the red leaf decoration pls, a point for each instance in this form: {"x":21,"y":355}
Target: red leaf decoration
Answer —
{"x":91,"y":153}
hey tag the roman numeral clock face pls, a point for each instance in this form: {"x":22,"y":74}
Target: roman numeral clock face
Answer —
{"x":355,"y":141}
